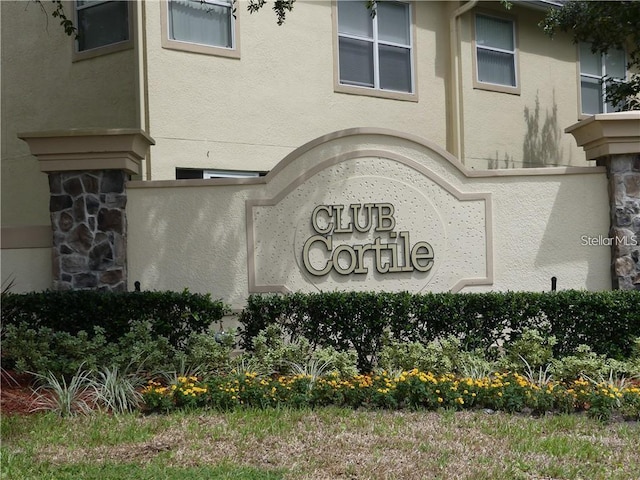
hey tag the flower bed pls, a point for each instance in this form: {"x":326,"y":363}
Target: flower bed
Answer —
{"x":412,"y":389}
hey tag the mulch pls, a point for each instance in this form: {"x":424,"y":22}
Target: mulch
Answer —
{"x":16,"y":393}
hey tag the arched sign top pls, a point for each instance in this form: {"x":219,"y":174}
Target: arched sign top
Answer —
{"x":352,"y":217}
{"x":374,"y":131}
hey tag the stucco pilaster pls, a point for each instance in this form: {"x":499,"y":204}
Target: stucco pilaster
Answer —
{"x":613,"y":140}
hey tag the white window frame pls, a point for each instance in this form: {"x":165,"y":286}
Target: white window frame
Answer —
{"x":496,"y":87}
{"x":603,"y":86}
{"x":209,"y":173}
{"x":206,"y":174}
{"x":376,"y":91}
{"x":172,"y":44}
{"x":104,"y":49}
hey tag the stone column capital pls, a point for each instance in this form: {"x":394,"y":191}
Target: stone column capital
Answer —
{"x":608,"y":134}
{"x":89,"y":149}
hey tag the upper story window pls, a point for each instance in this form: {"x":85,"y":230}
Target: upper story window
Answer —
{"x":496,"y":54}
{"x":375,"y":51}
{"x":594,"y":67}
{"x":103,"y":27}
{"x":201,"y":26}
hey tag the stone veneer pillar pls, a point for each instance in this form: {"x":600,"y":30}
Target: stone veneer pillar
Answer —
{"x":613,"y":140}
{"x":88,"y":170}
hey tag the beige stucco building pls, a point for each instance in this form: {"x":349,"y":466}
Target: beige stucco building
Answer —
{"x":225,"y":93}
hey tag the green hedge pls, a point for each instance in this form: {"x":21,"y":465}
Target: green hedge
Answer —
{"x":607,"y":321}
{"x":174,"y":315}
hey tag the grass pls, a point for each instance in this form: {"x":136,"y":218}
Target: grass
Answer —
{"x":153,"y":471}
{"x":327,"y":443}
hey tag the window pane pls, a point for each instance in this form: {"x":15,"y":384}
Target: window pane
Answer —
{"x":590,"y":62}
{"x":611,"y":107}
{"x":496,"y":67}
{"x":494,"y":32}
{"x":354,"y":18}
{"x":393,"y":22}
{"x":615,"y":64}
{"x":591,"y":93}
{"x":82,"y":3}
{"x":395,"y":68}
{"x":195,"y":22}
{"x":103,"y":24}
{"x":356,"y":62}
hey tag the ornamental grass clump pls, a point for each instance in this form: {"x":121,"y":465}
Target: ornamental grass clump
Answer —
{"x":54,"y":394}
{"x":117,"y":390}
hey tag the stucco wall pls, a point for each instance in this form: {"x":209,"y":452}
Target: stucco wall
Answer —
{"x":496,"y":131}
{"x":26,"y":269}
{"x":42,"y":89}
{"x":227,"y":113}
{"x":526,"y":227}
{"x":248,"y":113}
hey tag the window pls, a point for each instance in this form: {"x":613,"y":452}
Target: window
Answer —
{"x":207,"y":26}
{"x":197,"y":173}
{"x":102,"y":24}
{"x":495,"y":56}
{"x":593,"y":69}
{"x":375,"y":52}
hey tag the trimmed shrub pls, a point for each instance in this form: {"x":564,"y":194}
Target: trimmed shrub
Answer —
{"x":210,"y":352}
{"x":531,"y":349}
{"x":609,"y":321}
{"x":174,"y":315}
{"x":407,"y":355}
{"x":43,"y":350}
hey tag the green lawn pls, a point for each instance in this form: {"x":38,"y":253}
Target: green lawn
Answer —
{"x":326,"y":443}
